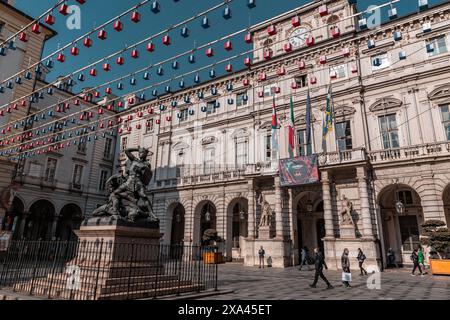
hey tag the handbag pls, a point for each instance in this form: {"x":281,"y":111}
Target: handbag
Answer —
{"x":346,"y":276}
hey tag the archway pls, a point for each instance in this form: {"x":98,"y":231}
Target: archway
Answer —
{"x":310,"y":220}
{"x":12,"y":217}
{"x":70,"y":219}
{"x":38,"y":224}
{"x":205,"y":218}
{"x":237,"y":229}
{"x":446,"y":200}
{"x":401,"y":214}
{"x":177,"y":227}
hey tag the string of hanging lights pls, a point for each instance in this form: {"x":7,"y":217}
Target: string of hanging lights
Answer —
{"x":229,"y":67}
{"x":130,"y":119}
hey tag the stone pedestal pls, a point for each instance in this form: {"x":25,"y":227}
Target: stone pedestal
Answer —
{"x":347,"y":231}
{"x":264,"y":232}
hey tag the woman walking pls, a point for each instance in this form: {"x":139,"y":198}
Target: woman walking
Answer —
{"x":421,"y":257}
{"x":361,"y":258}
{"x":346,"y":275}
{"x":415,"y":260}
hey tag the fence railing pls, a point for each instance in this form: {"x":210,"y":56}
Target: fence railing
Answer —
{"x":105,"y":270}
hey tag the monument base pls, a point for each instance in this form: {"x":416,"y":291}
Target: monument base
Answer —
{"x":347,"y":231}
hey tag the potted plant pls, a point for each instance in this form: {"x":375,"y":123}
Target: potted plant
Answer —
{"x":437,"y":237}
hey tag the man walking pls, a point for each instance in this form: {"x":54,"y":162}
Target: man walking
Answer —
{"x":261,"y":254}
{"x":319,"y":264}
{"x":304,"y":258}
{"x":415,"y":260}
{"x":345,"y":263}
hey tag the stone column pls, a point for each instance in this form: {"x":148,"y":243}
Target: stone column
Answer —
{"x":278,"y":209}
{"x":251,"y":215}
{"x":327,"y":208}
{"x":54,"y":226}
{"x":365,"y":206}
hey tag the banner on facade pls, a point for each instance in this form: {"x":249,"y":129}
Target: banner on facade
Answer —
{"x":299,"y":171}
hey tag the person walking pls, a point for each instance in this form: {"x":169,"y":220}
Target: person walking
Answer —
{"x":304,"y":258}
{"x":391,"y":258}
{"x":345,"y":262}
{"x":361,"y":258}
{"x":421,"y":257}
{"x":415,"y":260}
{"x":261,"y":254}
{"x":319,"y":265}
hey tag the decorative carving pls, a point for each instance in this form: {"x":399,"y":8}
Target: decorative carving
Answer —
{"x":385,"y":104}
{"x":441,"y":92}
{"x":209,"y":140}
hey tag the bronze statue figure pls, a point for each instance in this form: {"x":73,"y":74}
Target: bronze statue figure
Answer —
{"x":128,"y":199}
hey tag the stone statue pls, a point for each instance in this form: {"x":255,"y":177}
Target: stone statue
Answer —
{"x":128,"y":199}
{"x":266,"y":212}
{"x":346,"y":211}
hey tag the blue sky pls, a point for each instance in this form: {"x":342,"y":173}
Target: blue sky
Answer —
{"x":94,"y":13}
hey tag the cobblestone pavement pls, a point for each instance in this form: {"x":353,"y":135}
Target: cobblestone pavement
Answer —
{"x":290,"y":283}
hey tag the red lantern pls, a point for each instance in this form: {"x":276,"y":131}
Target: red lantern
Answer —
{"x":23,"y":37}
{"x":287,"y":47}
{"x":35,"y":28}
{"x":296,"y":21}
{"x":354,"y":69}
{"x":169,"y":118}
{"x":323,"y":60}
{"x":74,"y":51}
{"x":267,"y":55}
{"x":150,"y":47}
{"x":209,"y":52}
{"x":102,"y":125}
{"x":15,"y":106}
{"x":61,"y":57}
{"x":102,"y":34}
{"x":130,"y":117}
{"x":90,"y":114}
{"x":110,"y":123}
{"x":87,"y":42}
{"x":120,"y":104}
{"x":302,"y":65}
{"x":120,"y":130}
{"x":247,"y":61}
{"x":281,"y":71}
{"x":245,"y":82}
{"x":323,"y":10}
{"x":229,"y":67}
{"x":131,"y":100}
{"x":335,"y":32}
{"x":261,"y":94}
{"x":106,"y":66}
{"x":108,"y":90}
{"x":100,"y":111}
{"x":135,"y":17}
{"x":228,"y":45}
{"x":120,"y":60}
{"x":81,"y":1}
{"x":294,"y":85}
{"x":312,"y":80}
{"x":49,"y":19}
{"x":346,"y":52}
{"x":135,"y":54}
{"x":138,"y":126}
{"x":82,"y":117}
{"x":63,"y":9}
{"x":333,"y":75}
{"x":262,"y":76}
{"x":150,"y":110}
{"x":140,"y":114}
{"x":158,"y":121}
{"x":96,"y":94}
{"x":277,"y":90}
{"x":166,"y":40}
{"x":93,"y":72}
{"x":272,"y":30}
{"x":310,"y":41}
{"x":118,"y":26}
{"x":248,"y":38}
{"x":23,"y":103}
{"x":76,"y":102}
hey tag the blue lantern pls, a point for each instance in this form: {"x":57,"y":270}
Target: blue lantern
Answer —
{"x":142,"y":96}
{"x":212,"y":73}
{"x":160,"y":71}
{"x":200,"y":95}
{"x":28,"y":75}
{"x":197,"y":78}
{"x":181,"y":84}
{"x":70,"y":82}
{"x":226,"y":13}
{"x":168,"y":89}
{"x":9,"y":85}
{"x":81,"y":77}
{"x":230,"y":101}
{"x":229,"y":87}
{"x":251,"y":3}
{"x":49,"y":64}
{"x":120,"y":86}
{"x":185,"y":32}
{"x":38,"y":70}
{"x":371,"y":44}
{"x":155,"y":7}
{"x":146,"y":76}
{"x":133,"y":81}
{"x":187,"y":99}
{"x":174,"y":104}
{"x":18,"y":80}
{"x":205,"y":22}
{"x":2,"y":89}
{"x":192,"y":58}
{"x":11,"y":45}
{"x":175,"y":64}
{"x":214,"y":91}
{"x":154,"y":92}
{"x":50,"y":91}
{"x":2,"y":51}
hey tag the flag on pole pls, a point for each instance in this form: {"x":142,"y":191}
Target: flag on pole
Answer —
{"x":274,"y":130}
{"x":291,"y":122}
{"x":329,"y":115}
{"x":308,"y":119}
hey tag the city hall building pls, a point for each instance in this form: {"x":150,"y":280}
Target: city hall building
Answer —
{"x":216,"y":165}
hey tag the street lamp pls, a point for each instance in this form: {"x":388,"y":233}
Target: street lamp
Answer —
{"x":241,"y":212}
{"x":207,"y":214}
{"x":399,"y":206}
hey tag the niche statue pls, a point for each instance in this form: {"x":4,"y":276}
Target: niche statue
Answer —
{"x":127,"y":197}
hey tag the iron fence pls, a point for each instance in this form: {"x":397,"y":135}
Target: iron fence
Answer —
{"x":107,"y":271}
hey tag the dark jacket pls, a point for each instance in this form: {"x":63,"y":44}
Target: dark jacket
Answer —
{"x":361,"y":256}
{"x":345,"y":261}
{"x":415,"y":257}
{"x":320,"y":261}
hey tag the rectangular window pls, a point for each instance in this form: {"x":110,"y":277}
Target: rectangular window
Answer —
{"x":340,"y":70}
{"x":304,"y":148}
{"x":445,"y":111}
{"x":82,"y":145}
{"x":180,"y":164}
{"x":269,"y":90}
{"x":344,"y":135}
{"x":183,"y":115}
{"x":210,"y":107}
{"x":50,"y":169}
{"x":149,"y":126}
{"x":208,"y":160}
{"x":439,"y":46}
{"x":107,"y":152}
{"x":389,"y":131}
{"x":241,"y":153}
{"x":241,"y":99}
{"x":302,"y":81}
{"x":405,"y":196}
{"x":124,"y":143}
{"x":380,"y":62}
{"x":103,"y":178}
{"x":77,"y":176}
{"x":268,"y":148}
{"x":35,"y":170}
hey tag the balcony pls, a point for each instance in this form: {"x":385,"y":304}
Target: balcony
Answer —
{"x":342,"y":157}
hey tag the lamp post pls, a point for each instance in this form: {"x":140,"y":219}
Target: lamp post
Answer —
{"x":207,"y":214}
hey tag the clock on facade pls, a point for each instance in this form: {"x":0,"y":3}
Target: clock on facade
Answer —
{"x":298,"y":37}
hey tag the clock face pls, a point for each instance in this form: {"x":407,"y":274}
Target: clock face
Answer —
{"x":298,"y":37}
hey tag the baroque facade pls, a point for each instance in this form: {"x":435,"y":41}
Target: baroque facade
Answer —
{"x":213,"y":156}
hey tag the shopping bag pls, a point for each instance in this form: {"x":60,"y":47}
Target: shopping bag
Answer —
{"x":346,"y":276}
